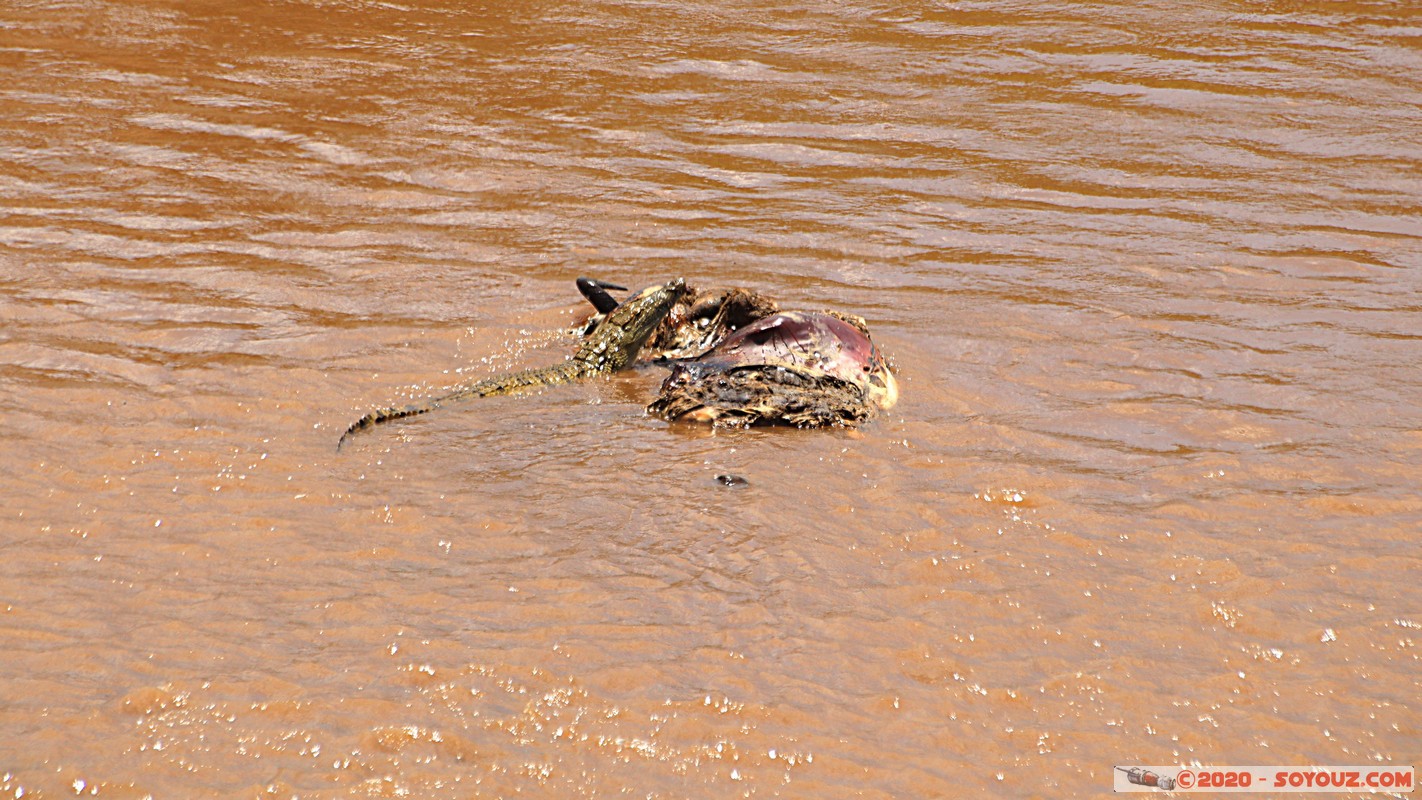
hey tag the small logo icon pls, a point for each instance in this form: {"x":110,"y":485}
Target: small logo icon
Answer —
{"x":1144,"y":777}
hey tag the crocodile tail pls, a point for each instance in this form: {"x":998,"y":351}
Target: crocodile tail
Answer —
{"x":512,"y":383}
{"x":522,"y":381}
{"x":384,"y":415}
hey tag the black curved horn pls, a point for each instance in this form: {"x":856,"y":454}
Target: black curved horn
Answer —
{"x":596,"y":293}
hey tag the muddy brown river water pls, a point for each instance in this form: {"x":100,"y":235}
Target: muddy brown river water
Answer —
{"x":1150,"y":273}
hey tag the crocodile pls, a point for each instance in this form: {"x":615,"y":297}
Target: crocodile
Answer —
{"x":696,"y":323}
{"x":612,"y":345}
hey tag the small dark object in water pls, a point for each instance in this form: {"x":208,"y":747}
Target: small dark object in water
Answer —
{"x":732,"y":480}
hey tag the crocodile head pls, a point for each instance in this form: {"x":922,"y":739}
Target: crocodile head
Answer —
{"x":617,"y":339}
